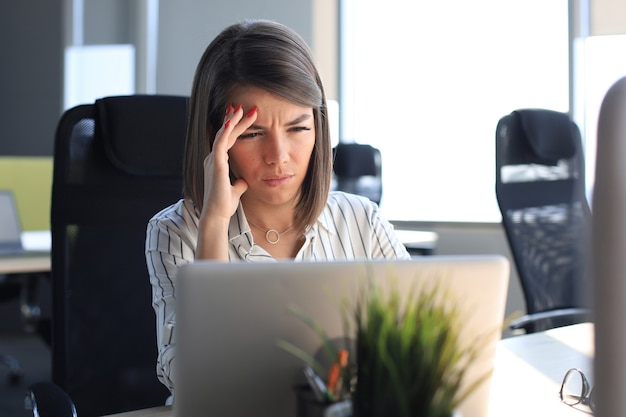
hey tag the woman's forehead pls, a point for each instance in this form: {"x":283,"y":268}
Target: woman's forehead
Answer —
{"x":266,"y":101}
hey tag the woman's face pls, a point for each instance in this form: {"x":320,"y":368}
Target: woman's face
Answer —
{"x":273,"y":155}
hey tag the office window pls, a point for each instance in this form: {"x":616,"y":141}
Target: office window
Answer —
{"x":426,"y":82}
{"x":599,"y":64}
{"x":90,"y":76}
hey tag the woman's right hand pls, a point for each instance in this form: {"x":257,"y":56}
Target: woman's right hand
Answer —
{"x":221,"y":198}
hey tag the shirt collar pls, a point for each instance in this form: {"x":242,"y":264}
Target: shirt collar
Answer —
{"x":324,"y":221}
{"x":239,"y":226}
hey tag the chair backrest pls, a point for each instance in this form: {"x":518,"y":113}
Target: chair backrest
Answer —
{"x":540,"y":188}
{"x":358,"y":170}
{"x":116,"y":163}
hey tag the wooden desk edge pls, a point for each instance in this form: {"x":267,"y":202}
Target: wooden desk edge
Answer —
{"x":163,"y":411}
{"x":28,"y":264}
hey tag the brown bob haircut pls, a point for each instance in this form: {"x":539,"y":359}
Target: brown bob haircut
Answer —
{"x":272,"y":57}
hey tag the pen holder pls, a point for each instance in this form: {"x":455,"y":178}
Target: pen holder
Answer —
{"x":307,"y":404}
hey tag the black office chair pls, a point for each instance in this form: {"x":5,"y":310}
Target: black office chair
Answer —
{"x":358,"y":170}
{"x":10,"y":291}
{"x":116,"y":163}
{"x":540,"y":188}
{"x":23,"y":287}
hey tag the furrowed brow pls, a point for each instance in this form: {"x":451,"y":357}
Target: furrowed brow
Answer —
{"x":299,"y":119}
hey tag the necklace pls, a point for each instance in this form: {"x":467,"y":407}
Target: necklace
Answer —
{"x":271,"y":235}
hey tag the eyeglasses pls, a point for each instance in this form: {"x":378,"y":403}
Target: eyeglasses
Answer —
{"x":575,"y":389}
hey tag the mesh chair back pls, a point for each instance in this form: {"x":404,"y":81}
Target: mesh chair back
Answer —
{"x":116,"y":163}
{"x":540,"y":188}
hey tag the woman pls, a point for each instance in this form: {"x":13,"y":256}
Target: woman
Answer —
{"x":257,"y":172}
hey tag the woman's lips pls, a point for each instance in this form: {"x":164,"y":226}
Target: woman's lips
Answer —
{"x":277,"y":180}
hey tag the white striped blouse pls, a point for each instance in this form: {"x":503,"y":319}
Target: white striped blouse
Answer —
{"x":349,"y":228}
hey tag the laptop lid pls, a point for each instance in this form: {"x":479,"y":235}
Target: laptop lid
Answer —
{"x":231,"y":315}
{"x":10,"y":227}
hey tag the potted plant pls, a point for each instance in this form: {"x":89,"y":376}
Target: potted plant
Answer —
{"x":406,"y":355}
{"x":409,"y":357}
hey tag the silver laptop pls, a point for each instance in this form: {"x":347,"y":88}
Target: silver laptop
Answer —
{"x":231,"y":315}
{"x":10,"y":226}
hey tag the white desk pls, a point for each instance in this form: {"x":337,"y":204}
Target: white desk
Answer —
{"x":164,"y":411}
{"x":27,"y":270}
{"x":24,"y":264}
{"x":418,"y":241}
{"x":529,"y":370}
{"x":36,"y":241}
{"x":527,"y":375}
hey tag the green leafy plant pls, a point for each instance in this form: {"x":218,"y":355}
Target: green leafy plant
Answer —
{"x":409,"y":356}
{"x":408,"y":359}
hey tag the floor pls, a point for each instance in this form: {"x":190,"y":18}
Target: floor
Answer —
{"x":34,"y":358}
{"x":32,"y":353}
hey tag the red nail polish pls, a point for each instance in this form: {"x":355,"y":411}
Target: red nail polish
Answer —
{"x":227,"y":124}
{"x":238,"y":108}
{"x":251,"y":112}
{"x":229,"y":108}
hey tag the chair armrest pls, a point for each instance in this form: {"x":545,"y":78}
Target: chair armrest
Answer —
{"x":47,"y":399}
{"x":15,"y":370}
{"x":526,"y":321}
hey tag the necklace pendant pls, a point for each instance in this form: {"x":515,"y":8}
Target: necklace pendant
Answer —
{"x":272,"y":236}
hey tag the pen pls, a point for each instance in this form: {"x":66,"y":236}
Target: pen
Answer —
{"x":335,"y":380}
{"x":317,"y":385}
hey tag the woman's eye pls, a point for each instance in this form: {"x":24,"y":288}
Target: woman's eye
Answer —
{"x":301,"y":129}
{"x":249,"y":135}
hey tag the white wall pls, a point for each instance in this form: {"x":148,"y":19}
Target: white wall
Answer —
{"x":30,"y":76}
{"x":186,"y":27}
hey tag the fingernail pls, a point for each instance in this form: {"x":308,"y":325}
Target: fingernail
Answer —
{"x":226,"y":124}
{"x":251,"y":112}
{"x":238,"y":108}
{"x":229,"y":108}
